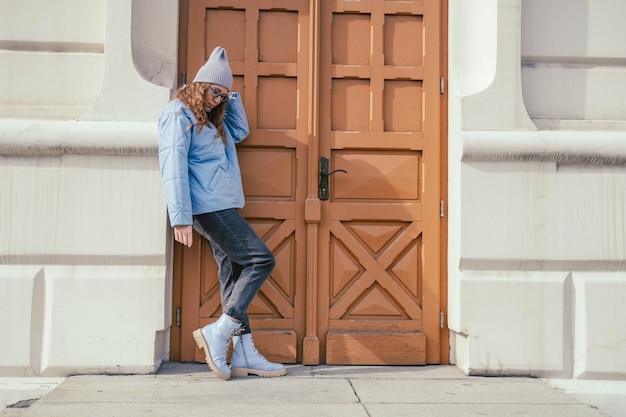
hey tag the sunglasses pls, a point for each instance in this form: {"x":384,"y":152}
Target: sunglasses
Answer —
{"x":216,"y":92}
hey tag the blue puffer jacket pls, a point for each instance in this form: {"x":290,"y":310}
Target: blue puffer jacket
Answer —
{"x":200,"y":173}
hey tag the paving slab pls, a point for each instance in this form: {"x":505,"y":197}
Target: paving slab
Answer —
{"x":481,"y":410}
{"x":459,"y":391}
{"x":200,"y":390}
{"x":318,"y":391}
{"x":606,"y":395}
{"x":379,"y":372}
{"x":21,"y":392}
{"x":192,"y":410}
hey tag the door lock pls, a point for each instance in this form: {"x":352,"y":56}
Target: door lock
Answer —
{"x":324,"y":174}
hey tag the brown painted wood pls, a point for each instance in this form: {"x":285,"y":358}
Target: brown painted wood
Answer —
{"x":176,"y":337}
{"x":312,"y":206}
{"x":359,"y":276}
{"x":375,"y":347}
{"x":379,"y":269}
{"x":264,"y":54}
{"x":444,"y":334}
{"x":175,"y":333}
{"x":190,"y":285}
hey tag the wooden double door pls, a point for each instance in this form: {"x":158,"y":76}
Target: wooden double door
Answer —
{"x":342,"y":174}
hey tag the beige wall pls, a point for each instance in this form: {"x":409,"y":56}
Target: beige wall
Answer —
{"x":52,"y":62}
{"x":537,"y":248}
{"x":572,"y":62}
{"x":83,"y":265}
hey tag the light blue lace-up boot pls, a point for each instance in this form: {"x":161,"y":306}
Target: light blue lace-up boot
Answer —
{"x":215,"y":340}
{"x":247,"y":360}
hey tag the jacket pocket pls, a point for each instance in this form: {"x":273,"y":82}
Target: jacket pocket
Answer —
{"x":218,"y":176}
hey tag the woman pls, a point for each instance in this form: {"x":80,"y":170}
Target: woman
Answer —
{"x":198,"y":131}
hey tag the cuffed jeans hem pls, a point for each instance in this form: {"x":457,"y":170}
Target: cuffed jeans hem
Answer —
{"x":245,"y":325}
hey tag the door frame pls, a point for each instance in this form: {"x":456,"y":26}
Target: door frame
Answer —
{"x":312,"y":205}
{"x":444,"y":334}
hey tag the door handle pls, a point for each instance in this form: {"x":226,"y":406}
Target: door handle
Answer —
{"x":324,"y":174}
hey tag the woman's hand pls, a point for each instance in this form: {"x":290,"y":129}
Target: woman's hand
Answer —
{"x":184,"y":234}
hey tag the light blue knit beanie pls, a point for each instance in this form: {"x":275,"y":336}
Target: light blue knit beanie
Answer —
{"x":216,"y":70}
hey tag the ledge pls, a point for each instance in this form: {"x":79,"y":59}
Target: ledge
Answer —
{"x":19,"y":137}
{"x":543,"y":265}
{"x":567,"y":147}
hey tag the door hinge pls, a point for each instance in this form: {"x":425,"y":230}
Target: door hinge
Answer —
{"x":441,"y":319}
{"x":178,"y":317}
{"x":441,"y":208}
{"x":183,"y":77}
{"x":442,"y":85}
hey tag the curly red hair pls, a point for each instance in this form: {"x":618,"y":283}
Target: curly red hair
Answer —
{"x":192,"y":95}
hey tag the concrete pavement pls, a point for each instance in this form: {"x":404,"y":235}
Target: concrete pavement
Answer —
{"x":348,"y":391}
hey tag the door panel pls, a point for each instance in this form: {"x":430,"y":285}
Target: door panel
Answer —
{"x":357,"y":278}
{"x":264,"y":44}
{"x":379,"y":109}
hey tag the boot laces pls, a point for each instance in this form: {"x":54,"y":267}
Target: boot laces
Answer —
{"x":254,"y":349}
{"x":256,"y":352}
{"x":227,"y":341}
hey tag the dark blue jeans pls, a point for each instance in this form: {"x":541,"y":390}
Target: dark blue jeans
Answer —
{"x":243,"y":259}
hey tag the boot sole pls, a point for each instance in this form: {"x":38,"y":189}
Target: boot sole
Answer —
{"x":197,"y":335}
{"x":239,"y":372}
